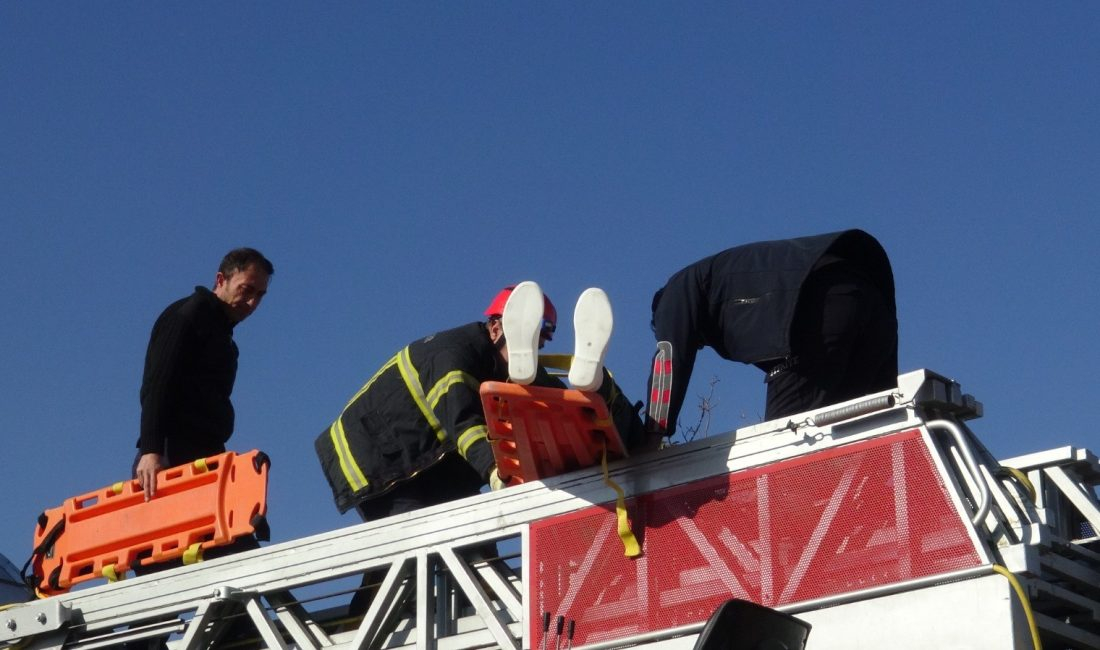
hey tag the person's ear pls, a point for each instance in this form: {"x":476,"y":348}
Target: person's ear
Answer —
{"x":496,"y":330}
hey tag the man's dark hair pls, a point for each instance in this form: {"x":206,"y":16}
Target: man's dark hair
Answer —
{"x":239,"y":259}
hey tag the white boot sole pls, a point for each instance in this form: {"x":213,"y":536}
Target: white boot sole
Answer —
{"x":592,"y":324}
{"x":522,"y":322}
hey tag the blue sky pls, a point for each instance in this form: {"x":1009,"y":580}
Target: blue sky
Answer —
{"x":400,"y":162}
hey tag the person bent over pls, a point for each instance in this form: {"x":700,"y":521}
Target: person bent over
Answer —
{"x":817,"y":314}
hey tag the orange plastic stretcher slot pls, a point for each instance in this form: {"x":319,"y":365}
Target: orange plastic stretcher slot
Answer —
{"x":538,"y":432}
{"x":209,"y":503}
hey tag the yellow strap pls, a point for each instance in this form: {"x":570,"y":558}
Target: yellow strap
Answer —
{"x":200,"y":464}
{"x":564,"y":362}
{"x":117,"y":487}
{"x":556,"y":361}
{"x":193,"y":553}
{"x":111,"y":573}
{"x":630,"y":543}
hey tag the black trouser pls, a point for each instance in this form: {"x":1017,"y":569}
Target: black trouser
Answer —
{"x":844,"y":344}
{"x":449,"y":479}
{"x":623,"y":413}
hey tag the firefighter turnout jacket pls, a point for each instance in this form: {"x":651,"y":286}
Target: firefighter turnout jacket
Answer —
{"x":420,"y":406}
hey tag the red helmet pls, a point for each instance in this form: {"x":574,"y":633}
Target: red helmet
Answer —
{"x":549,"y":314}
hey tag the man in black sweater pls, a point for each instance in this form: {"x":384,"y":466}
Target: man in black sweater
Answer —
{"x":816,"y":314}
{"x":190,"y":367}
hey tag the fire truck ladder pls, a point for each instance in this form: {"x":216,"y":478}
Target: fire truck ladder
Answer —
{"x":885,"y":508}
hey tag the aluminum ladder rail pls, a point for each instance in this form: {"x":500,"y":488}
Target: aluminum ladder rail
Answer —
{"x":1063,"y":566}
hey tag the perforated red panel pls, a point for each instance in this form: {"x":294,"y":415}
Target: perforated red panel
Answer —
{"x":858,"y":516}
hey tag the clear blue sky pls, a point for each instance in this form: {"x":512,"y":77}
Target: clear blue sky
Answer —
{"x":400,"y":162}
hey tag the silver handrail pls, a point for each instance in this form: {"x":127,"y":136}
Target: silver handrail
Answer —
{"x":985,"y":500}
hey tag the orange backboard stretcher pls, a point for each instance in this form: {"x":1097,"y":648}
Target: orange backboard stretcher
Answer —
{"x":538,"y":432}
{"x":208,"y":503}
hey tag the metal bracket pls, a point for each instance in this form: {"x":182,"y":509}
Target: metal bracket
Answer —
{"x":33,"y":618}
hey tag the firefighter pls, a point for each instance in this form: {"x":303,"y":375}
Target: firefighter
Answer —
{"x":415,"y":436}
{"x":816,"y":314}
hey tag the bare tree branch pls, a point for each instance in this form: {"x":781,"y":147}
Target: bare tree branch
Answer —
{"x":706,"y":408}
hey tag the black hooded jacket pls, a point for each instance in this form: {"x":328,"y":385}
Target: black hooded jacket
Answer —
{"x":741,"y":302}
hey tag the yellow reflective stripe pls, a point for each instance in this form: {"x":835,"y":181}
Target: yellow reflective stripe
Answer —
{"x":450,"y":379}
{"x":470,"y":436}
{"x":389,"y":364}
{"x":416,"y":390}
{"x":352,"y":473}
